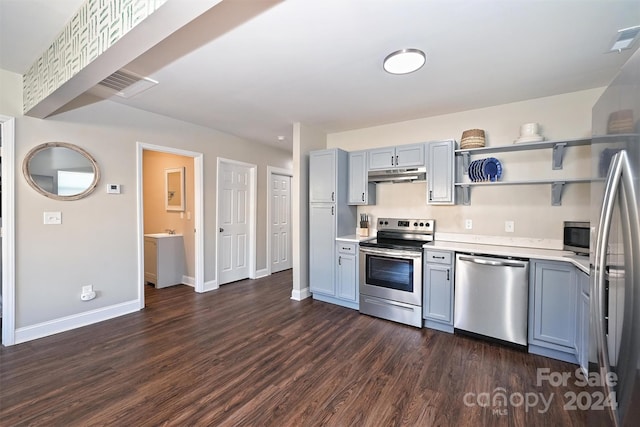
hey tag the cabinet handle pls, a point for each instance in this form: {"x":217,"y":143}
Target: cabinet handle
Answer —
{"x":221,"y":229}
{"x":333,"y":193}
{"x":391,"y":160}
{"x":438,"y":257}
{"x":447,"y":274}
{"x":339,"y":260}
{"x":331,"y":210}
{"x":363,"y":197}
{"x":396,"y":160}
{"x":430,"y":194}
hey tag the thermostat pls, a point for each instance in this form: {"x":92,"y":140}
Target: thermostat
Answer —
{"x":113,"y":188}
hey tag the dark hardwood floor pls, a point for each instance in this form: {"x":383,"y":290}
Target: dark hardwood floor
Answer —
{"x":248,"y":355}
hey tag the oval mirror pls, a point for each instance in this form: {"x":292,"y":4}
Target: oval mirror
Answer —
{"x":61,"y":171}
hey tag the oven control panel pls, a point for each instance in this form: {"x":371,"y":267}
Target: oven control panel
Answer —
{"x":412,"y":225}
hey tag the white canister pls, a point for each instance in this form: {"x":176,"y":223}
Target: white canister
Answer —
{"x":530,"y":129}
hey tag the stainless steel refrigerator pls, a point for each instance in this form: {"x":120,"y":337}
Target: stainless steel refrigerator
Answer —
{"x":615,"y":250}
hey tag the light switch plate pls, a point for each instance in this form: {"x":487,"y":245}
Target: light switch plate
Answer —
{"x":509,"y":226}
{"x":53,"y":218}
{"x":113,"y":188}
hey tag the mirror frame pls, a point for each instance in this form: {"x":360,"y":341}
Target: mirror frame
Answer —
{"x":167,"y":172}
{"x":27,"y":174}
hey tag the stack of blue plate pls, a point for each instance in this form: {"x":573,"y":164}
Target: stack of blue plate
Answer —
{"x":489,"y":169}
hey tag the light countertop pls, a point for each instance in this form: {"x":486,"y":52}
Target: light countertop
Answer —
{"x":582,"y":262}
{"x":162,"y":235}
{"x":354,"y":238}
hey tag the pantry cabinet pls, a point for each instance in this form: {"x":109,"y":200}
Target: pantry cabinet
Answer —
{"x":329,"y":217}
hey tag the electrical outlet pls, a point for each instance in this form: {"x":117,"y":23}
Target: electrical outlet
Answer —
{"x":509,"y":226}
{"x":468,"y":224}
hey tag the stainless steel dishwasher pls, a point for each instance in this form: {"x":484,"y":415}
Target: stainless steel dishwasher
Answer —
{"x":491,"y":297}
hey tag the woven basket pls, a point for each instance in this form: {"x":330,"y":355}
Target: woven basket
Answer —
{"x":473,"y":132}
{"x":472,"y":138}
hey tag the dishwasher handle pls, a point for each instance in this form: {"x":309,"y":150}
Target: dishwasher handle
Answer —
{"x":494,"y":263}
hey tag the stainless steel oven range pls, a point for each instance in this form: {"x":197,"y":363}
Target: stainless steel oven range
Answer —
{"x":391,"y":270}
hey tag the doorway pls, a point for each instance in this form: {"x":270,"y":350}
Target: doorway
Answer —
{"x":193,"y":216}
{"x":236,"y":221}
{"x":279,"y":220}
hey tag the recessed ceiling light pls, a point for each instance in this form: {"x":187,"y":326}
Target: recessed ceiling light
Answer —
{"x":625,"y":38}
{"x":404,"y":61}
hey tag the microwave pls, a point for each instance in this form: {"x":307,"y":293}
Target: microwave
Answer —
{"x":576,"y":237}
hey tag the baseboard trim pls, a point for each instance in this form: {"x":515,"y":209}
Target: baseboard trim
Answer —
{"x":301,"y":294}
{"x":211,"y":285}
{"x":189,"y":281}
{"x":262,"y":273}
{"x":68,"y":323}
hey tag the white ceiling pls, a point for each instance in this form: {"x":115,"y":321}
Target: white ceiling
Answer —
{"x":320,"y":62}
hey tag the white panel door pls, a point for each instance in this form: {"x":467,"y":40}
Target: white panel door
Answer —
{"x":280,"y":223}
{"x":233,"y":221}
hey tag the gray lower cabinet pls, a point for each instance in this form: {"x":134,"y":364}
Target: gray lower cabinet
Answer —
{"x":582,"y":326}
{"x":440,"y":172}
{"x":437,"y":303}
{"x":347,"y":274}
{"x":553,"y":297}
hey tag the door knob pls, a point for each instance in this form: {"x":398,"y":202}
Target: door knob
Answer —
{"x":221,"y":229}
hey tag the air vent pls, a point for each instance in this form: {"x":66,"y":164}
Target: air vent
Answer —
{"x":625,"y":38}
{"x":126,"y":84}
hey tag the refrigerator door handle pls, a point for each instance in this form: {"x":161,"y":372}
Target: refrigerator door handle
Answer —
{"x":620,"y":172}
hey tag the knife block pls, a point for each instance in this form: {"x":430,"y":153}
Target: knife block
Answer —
{"x":362,"y":232}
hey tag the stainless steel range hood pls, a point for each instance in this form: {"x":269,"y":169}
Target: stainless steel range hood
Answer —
{"x":398,"y":175}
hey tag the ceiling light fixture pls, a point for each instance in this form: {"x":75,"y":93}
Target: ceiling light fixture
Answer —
{"x":625,"y":38}
{"x":404,"y":61}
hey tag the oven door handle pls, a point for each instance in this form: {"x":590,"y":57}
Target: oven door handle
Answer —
{"x":392,"y":253}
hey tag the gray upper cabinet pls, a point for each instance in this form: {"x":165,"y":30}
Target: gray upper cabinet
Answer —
{"x":361,"y":192}
{"x":411,"y":155}
{"x":322,"y":176}
{"x":553,"y":297}
{"x":441,"y":173}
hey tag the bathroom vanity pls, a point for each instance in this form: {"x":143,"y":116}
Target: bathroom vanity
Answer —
{"x":163,"y":259}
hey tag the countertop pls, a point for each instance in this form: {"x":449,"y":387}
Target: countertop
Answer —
{"x":162,"y":235}
{"x":354,"y":238}
{"x":582,"y":262}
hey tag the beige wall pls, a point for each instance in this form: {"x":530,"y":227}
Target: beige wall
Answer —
{"x":97,"y":241}
{"x":156,"y":218}
{"x":562,"y":116}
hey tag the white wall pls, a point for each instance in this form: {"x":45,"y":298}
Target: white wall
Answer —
{"x":561,"y":116}
{"x":97,"y":241}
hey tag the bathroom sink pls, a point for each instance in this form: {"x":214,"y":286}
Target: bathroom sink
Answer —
{"x":161,"y":235}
